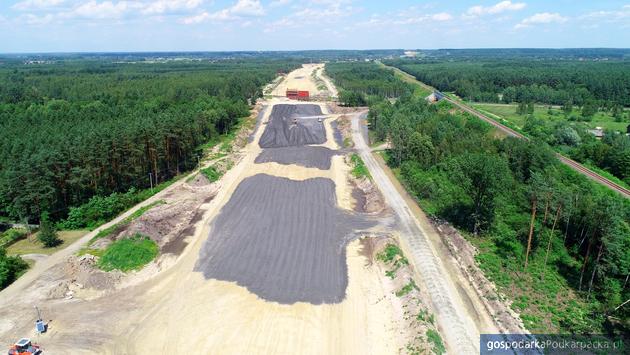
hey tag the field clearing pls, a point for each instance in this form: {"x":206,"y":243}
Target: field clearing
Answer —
{"x":508,"y":112}
{"x":32,"y":245}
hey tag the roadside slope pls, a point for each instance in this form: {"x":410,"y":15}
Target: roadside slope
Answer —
{"x":459,"y":329}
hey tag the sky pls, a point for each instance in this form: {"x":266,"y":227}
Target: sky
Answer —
{"x":229,"y":25}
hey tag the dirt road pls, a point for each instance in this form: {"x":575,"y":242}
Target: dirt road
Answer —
{"x":299,"y":79}
{"x":329,"y":85}
{"x":452,"y":315}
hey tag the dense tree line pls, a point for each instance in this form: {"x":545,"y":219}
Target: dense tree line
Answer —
{"x":558,"y":82}
{"x":543,"y":221}
{"x":361,"y":80}
{"x":611,"y":153}
{"x":73,"y":130}
{"x":557,"y":242}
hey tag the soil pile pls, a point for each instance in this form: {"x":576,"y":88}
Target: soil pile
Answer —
{"x":369,"y":199}
{"x":283,"y":240}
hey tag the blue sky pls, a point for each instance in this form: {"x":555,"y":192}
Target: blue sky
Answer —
{"x":212,"y":25}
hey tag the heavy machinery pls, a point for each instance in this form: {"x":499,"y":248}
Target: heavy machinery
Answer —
{"x":24,"y":346}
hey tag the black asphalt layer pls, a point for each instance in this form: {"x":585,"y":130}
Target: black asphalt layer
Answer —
{"x":289,"y":126}
{"x":310,"y":157}
{"x":283,"y":240}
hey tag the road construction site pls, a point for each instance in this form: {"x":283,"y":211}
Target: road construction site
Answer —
{"x":279,"y":256}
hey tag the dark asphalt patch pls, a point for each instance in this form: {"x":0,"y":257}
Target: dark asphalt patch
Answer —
{"x":310,"y":157}
{"x":281,"y":131}
{"x":283,"y":240}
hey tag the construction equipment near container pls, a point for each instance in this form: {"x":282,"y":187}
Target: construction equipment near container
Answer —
{"x":24,"y":346}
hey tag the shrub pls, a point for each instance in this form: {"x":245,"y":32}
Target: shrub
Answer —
{"x":211,"y":173}
{"x":11,"y":236}
{"x":436,"y":340}
{"x":11,"y":267}
{"x":100,"y":209}
{"x":47,"y":233}
{"x":359,"y":170}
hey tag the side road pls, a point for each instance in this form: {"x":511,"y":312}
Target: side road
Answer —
{"x":460,"y":331}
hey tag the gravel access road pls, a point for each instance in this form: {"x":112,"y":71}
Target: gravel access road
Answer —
{"x":458,"y":328}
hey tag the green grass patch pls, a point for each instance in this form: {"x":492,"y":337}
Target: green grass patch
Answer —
{"x":436,"y":341}
{"x":359,"y":169}
{"x":347,"y":142}
{"x":407,"y":288}
{"x":391,"y":253}
{"x":128,"y":254}
{"x":394,"y":256}
{"x":211,"y":173}
{"x":507,"y":113}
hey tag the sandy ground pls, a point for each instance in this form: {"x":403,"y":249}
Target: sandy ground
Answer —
{"x":299,"y":79}
{"x":329,"y":85}
{"x":460,"y":314}
{"x":170,"y":306}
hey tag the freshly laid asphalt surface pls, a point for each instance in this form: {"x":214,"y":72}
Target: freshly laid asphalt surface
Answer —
{"x":281,"y":131}
{"x":283,"y":240}
{"x":307,"y":156}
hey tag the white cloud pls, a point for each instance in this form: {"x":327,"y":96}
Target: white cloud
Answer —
{"x":317,"y":13}
{"x":542,"y":18}
{"x":278,"y":3}
{"x":162,"y":6}
{"x":31,"y":19}
{"x":623,"y":14}
{"x":31,"y":5}
{"x":101,"y":10}
{"x":242,"y":8}
{"x":497,"y":8}
{"x":247,"y":8}
{"x":442,"y":16}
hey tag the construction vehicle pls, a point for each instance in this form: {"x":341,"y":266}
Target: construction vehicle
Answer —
{"x":24,"y":347}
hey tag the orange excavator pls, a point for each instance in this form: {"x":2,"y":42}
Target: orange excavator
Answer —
{"x":24,"y":346}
